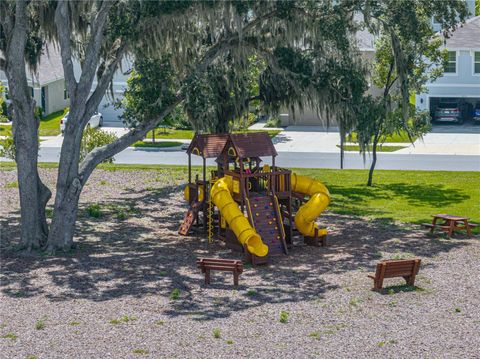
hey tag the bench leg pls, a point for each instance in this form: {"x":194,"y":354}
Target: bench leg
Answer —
{"x":410,"y":279}
{"x":207,"y":276}
{"x":235,"y":278}
{"x":378,"y":284}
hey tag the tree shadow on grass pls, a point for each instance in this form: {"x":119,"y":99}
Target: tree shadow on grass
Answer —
{"x":143,"y":256}
{"x":354,"y":200}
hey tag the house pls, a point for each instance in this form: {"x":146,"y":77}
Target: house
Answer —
{"x":460,"y":82}
{"x":47,"y":83}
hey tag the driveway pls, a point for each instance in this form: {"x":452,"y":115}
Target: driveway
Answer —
{"x":451,"y":140}
{"x":307,"y":139}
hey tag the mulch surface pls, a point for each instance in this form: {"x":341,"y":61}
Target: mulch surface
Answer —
{"x":131,"y":287}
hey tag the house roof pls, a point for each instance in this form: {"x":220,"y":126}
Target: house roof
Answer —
{"x":50,"y":67}
{"x":207,"y":146}
{"x":465,"y":37}
{"x":254,"y":144}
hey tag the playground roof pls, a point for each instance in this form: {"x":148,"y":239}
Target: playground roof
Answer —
{"x":207,"y":146}
{"x":253,"y":144}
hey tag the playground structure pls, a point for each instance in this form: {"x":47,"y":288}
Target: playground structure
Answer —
{"x":255,"y":209}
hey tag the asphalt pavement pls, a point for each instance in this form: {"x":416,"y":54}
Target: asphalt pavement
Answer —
{"x":386,"y":160}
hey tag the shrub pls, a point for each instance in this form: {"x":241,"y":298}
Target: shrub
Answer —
{"x":38,"y":113}
{"x":273,"y":122}
{"x":94,"y":210}
{"x":93,"y":138}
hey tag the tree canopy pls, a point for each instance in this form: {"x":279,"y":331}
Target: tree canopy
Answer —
{"x":306,"y":48}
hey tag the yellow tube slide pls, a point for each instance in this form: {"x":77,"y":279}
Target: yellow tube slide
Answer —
{"x":308,"y":213}
{"x":239,"y":224}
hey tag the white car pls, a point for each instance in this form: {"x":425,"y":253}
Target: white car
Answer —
{"x":95,"y":121}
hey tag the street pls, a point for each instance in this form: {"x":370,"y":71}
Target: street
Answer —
{"x":390,"y":161}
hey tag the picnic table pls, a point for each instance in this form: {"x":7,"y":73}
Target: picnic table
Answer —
{"x":450,"y":224}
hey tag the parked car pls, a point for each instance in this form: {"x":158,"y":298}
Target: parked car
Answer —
{"x":448,"y":112}
{"x":476,"y":113}
{"x":95,"y":121}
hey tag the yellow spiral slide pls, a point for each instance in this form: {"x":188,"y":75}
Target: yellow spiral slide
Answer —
{"x":308,"y":213}
{"x":238,"y":223}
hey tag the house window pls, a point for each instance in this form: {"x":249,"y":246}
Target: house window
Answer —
{"x":476,"y":62}
{"x":31,"y":91}
{"x":451,"y":67}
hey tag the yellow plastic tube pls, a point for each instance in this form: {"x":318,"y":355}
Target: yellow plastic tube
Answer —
{"x":239,"y":224}
{"x":308,"y":213}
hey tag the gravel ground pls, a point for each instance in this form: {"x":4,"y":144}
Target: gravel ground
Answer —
{"x":131,"y":288}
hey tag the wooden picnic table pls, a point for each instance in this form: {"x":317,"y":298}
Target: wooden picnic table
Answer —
{"x":450,"y":224}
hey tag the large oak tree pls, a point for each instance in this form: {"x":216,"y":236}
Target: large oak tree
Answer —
{"x":307,"y":46}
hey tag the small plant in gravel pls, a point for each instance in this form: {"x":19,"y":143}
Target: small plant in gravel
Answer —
{"x":124,"y":319}
{"x":216,"y":333}
{"x":315,"y":335}
{"x":9,"y":335}
{"x":140,"y":351}
{"x":392,"y":304}
{"x":284,"y":317}
{"x":94,"y":210}
{"x":121,"y":215}
{"x":458,"y":310}
{"x":40,"y":324}
{"x":354,"y":302}
{"x":13,"y":184}
{"x":74,"y":323}
{"x":230,"y":342}
{"x":381,"y":344}
{"x":175,"y":294}
{"x":402,"y":255}
{"x":162,"y":273}
{"x":159,"y":322}
{"x":103,"y":183}
{"x":251,"y":292}
{"x":31,"y":357}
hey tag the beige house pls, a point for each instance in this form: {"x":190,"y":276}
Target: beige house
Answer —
{"x":47,"y":83}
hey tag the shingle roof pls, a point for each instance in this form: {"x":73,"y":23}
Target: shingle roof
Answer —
{"x":50,"y":67}
{"x":254,"y":144}
{"x":466,"y":36}
{"x":207,"y":146}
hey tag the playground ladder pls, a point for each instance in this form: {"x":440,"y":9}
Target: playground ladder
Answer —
{"x":266,"y":218}
{"x":189,"y":218}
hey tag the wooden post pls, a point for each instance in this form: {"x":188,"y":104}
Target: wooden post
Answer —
{"x":189,"y":168}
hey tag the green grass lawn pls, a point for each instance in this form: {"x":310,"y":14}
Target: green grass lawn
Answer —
{"x":5,"y":130}
{"x":379,"y":148}
{"x":49,"y":125}
{"x":161,"y":144}
{"x":404,"y":196}
{"x":395,"y":138}
{"x":188,"y":134}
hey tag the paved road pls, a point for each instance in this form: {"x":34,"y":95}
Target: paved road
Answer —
{"x":301,"y":160}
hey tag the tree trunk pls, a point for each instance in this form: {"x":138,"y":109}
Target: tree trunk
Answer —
{"x":69,"y":186}
{"x":342,"y":150}
{"x":65,"y":215}
{"x":374,"y":160}
{"x":33,"y":194}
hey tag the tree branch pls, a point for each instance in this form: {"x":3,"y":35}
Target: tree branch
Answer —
{"x":115,"y":56}
{"x":93,"y":48}
{"x":62,"y":21}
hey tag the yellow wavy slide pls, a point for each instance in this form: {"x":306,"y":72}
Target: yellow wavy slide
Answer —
{"x":308,"y":213}
{"x":238,"y":223}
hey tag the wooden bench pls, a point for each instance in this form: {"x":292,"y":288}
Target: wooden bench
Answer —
{"x":226,"y":265}
{"x":406,"y":268}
